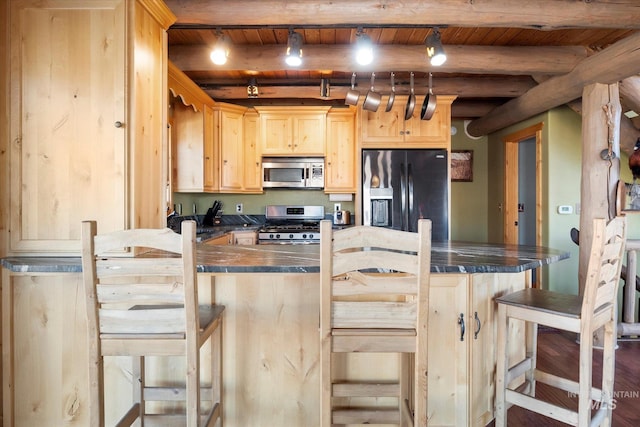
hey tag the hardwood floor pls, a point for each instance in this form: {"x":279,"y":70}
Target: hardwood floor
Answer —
{"x":558,"y":354}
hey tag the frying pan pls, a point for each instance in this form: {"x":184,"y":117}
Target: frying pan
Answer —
{"x":372,"y":100}
{"x":392,"y":95}
{"x":429,"y":104}
{"x":411,"y":101}
{"x":352,"y":94}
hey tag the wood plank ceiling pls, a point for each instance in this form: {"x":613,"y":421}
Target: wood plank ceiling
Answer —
{"x":507,"y":59}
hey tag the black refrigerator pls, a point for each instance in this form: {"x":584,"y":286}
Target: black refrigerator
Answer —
{"x":401,"y":186}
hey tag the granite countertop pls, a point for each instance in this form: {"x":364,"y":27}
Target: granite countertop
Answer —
{"x":446,"y":257}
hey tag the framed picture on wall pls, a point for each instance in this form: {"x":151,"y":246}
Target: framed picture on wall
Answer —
{"x":462,"y":165}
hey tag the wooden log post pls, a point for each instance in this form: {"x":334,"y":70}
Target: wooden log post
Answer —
{"x":600,"y":166}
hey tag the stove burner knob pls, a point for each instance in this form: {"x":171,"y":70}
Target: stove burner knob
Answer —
{"x":310,"y":236}
{"x":291,"y":236}
{"x":304,"y":236}
{"x":277,"y":236}
{"x":271,"y":236}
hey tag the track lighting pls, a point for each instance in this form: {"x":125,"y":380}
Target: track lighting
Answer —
{"x":294,"y":49}
{"x":252,"y":88}
{"x":221,"y":50}
{"x":364,"y":48}
{"x":435,"y":51}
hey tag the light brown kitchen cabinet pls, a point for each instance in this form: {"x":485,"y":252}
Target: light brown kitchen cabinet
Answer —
{"x":381,"y":128}
{"x":225,"y":239}
{"x":229,"y":128}
{"x":252,"y":155}
{"x":462,"y":320}
{"x":340,"y":158}
{"x":286,"y":131}
{"x":195,"y":150}
{"x":88,"y":119}
{"x":244,"y":237}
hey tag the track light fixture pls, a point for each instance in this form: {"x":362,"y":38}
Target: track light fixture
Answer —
{"x":364,"y":48}
{"x":252,"y":88}
{"x":294,"y":49}
{"x":221,"y":50}
{"x":435,"y":51}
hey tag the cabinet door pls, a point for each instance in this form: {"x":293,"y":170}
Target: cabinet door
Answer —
{"x":252,"y":156}
{"x":276,"y":133}
{"x":435,"y":130}
{"x":225,"y":239}
{"x":244,"y":238}
{"x":448,"y":350}
{"x":340,"y":176}
{"x":482,"y":334}
{"x":382,"y":126}
{"x":309,"y":134}
{"x":210,"y":147}
{"x":229,"y":128}
{"x":67,"y":153}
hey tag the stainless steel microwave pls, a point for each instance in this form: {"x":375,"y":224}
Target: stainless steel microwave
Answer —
{"x":293,"y":172}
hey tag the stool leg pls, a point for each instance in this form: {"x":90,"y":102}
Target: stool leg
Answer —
{"x":608,"y":369}
{"x":584,"y":393}
{"x":531,"y":354}
{"x":502,"y":364}
{"x":138,"y":384}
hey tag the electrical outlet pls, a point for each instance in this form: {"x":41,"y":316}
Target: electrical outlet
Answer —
{"x":337,"y":207}
{"x":239,"y":208}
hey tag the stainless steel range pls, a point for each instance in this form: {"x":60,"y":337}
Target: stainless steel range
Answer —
{"x":289,"y":224}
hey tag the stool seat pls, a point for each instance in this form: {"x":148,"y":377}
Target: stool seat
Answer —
{"x":545,"y":301}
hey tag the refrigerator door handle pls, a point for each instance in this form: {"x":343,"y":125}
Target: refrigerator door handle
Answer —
{"x":403,"y":197}
{"x":410,"y":193}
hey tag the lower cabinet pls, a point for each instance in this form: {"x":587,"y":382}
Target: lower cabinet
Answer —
{"x":242,"y":237}
{"x":225,"y":239}
{"x":462,"y":322}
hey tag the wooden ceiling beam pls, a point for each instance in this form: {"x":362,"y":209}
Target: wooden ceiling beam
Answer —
{"x":617,"y":62}
{"x":539,"y":14}
{"x":509,"y":60}
{"x":469,"y":87}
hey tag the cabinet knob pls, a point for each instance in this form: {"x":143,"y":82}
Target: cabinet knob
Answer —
{"x":118,"y":124}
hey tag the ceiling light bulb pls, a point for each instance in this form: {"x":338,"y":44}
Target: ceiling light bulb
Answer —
{"x":364,"y":49}
{"x":294,"y":49}
{"x":220,"y":51}
{"x":435,"y":51}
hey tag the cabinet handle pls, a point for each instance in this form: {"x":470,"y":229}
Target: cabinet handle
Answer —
{"x":461,"y":323}
{"x":407,"y":132}
{"x":478,"y":326}
{"x":118,"y":124}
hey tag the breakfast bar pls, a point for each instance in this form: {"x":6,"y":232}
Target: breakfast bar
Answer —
{"x":271,"y":348}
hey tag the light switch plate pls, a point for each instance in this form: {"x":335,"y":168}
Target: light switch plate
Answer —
{"x":565,"y":209}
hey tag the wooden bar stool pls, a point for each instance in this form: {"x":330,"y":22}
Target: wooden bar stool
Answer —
{"x":583,"y":315}
{"x":375,"y":299}
{"x":148,"y":306}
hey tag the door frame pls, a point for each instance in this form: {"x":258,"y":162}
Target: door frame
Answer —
{"x":511,"y":141}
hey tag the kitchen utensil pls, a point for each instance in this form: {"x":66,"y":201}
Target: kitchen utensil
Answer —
{"x":392,"y":95}
{"x":411,"y":101}
{"x":372,"y":100}
{"x":429,"y":104}
{"x":352,"y":94}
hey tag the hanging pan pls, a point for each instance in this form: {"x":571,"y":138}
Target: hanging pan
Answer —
{"x":352,"y":94}
{"x":392,"y":95}
{"x":429,"y":104}
{"x":372,"y":100}
{"x":411,"y":101}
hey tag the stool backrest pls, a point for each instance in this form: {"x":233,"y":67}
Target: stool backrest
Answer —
{"x":395,"y":296}
{"x":605,"y":263}
{"x":134,"y":297}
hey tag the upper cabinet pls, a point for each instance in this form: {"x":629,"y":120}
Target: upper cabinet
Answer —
{"x":195,"y":166}
{"x":88,"y":119}
{"x":340,"y":159}
{"x":381,"y":128}
{"x":252,"y":154}
{"x":287,"y":131}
